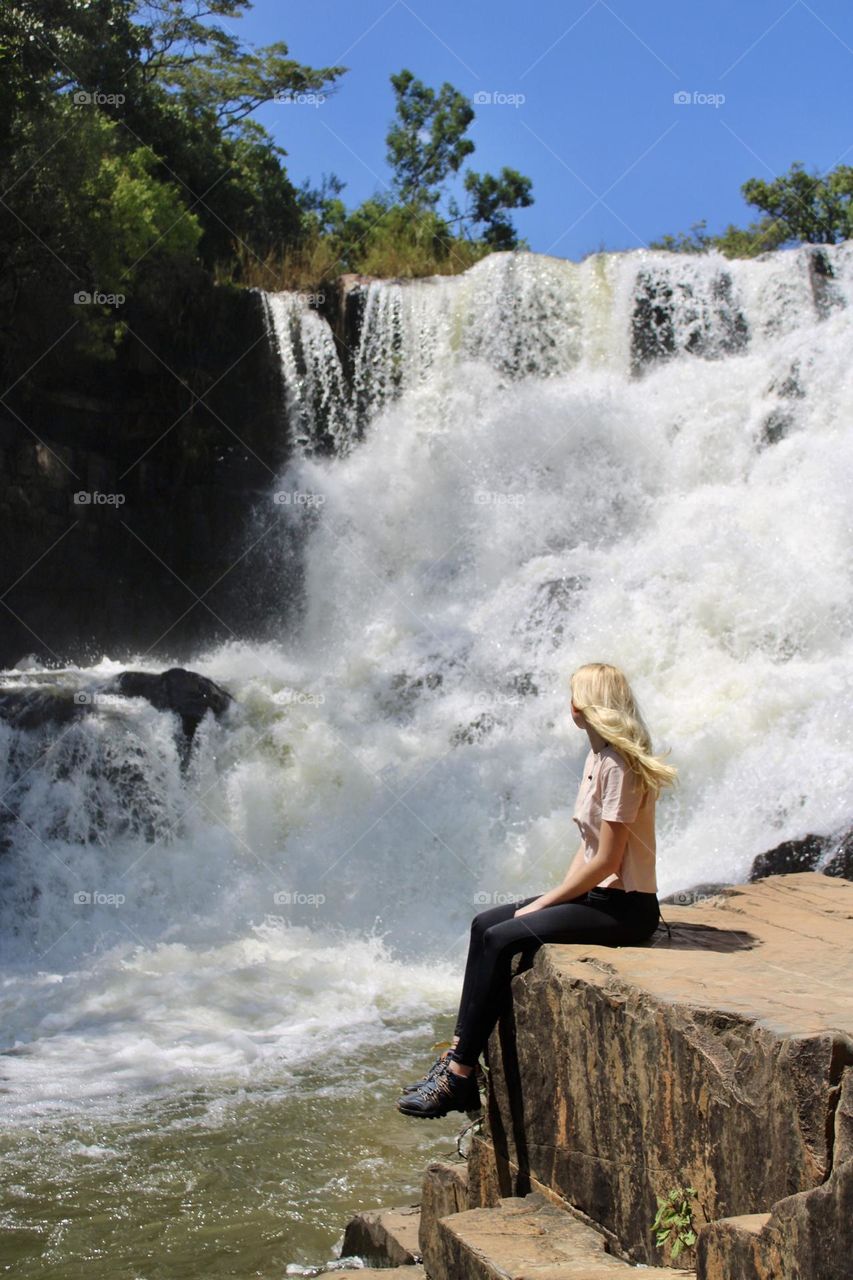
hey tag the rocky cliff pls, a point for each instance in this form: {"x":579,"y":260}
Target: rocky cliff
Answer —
{"x":715,"y":1062}
{"x":128,"y":490}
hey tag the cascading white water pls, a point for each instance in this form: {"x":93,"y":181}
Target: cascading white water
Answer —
{"x":640,"y":458}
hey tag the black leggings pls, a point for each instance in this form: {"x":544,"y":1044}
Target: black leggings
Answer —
{"x":601,"y":915}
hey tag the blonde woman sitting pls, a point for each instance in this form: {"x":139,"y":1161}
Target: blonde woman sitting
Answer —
{"x":608,"y":895}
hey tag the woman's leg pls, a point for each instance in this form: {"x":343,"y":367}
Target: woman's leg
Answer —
{"x":582,"y":920}
{"x":481,"y":922}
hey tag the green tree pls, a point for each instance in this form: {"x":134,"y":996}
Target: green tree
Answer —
{"x":427,"y":146}
{"x":812,"y":208}
{"x":126,"y":144}
{"x":427,"y":142}
{"x":490,"y":198}
{"x":797,"y":208}
{"x":748,"y":242}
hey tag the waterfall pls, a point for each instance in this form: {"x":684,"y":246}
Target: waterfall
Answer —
{"x":641,"y":458}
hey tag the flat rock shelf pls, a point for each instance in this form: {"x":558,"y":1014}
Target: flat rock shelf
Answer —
{"x":717,"y":1057}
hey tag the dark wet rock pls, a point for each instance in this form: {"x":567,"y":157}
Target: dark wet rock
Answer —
{"x":554,"y":599}
{"x":189,"y":695}
{"x":186,"y":693}
{"x":30,"y":708}
{"x":479,"y":728}
{"x":775,"y":427}
{"x":403,"y":691}
{"x":733,"y":331}
{"x":790,"y":387}
{"x":826,"y":294}
{"x":652,"y":328}
{"x":524,"y":685}
{"x":840,"y":861}
{"x":671,"y":315}
{"x":790,"y":855}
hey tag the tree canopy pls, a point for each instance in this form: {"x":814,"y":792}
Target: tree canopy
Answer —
{"x":797,"y":208}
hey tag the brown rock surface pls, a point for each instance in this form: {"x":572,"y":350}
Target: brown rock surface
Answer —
{"x":521,"y":1238}
{"x":444,"y":1191}
{"x":714,"y":1059}
{"x":384,"y":1273}
{"x":388,"y":1237}
{"x":806,"y":1235}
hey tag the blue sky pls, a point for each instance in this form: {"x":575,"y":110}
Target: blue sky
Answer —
{"x":615,"y":160}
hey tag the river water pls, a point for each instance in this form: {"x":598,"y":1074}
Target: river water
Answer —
{"x":213,"y":982}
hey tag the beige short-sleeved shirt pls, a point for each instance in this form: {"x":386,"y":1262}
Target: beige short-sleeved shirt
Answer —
{"x":610,"y":792}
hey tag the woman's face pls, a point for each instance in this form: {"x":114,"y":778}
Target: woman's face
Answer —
{"x":577,"y":716}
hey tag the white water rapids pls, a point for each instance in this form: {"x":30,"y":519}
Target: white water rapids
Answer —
{"x":516,"y":490}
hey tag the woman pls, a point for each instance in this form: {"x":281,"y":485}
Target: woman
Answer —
{"x":608,"y":895}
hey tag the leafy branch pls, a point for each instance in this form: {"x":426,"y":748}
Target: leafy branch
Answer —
{"x":673,"y":1222}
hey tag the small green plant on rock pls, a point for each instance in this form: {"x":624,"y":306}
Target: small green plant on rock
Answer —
{"x":674,"y":1220}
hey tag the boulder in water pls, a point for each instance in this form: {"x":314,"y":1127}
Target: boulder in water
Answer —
{"x":30,"y":708}
{"x":186,"y":693}
{"x":790,"y":856}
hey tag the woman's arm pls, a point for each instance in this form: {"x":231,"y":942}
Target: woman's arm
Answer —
{"x":581,"y":875}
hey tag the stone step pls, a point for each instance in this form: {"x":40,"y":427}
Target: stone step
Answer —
{"x":444,"y":1191}
{"x":525,"y":1238}
{"x":414,"y":1272}
{"x":387,"y":1237}
{"x":411,"y":1272}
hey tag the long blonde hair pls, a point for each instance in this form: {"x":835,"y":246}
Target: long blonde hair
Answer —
{"x":604,"y":697}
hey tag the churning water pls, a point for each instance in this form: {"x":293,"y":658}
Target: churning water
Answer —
{"x":215,"y":980}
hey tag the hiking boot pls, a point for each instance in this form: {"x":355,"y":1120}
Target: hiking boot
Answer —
{"x":437,"y":1067}
{"x":446,"y":1092}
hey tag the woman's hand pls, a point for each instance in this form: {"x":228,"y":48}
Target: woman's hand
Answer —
{"x":582,"y":875}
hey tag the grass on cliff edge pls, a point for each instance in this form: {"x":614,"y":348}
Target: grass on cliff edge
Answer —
{"x":321,"y":259}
